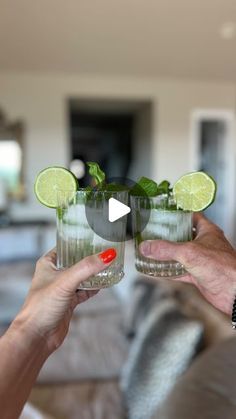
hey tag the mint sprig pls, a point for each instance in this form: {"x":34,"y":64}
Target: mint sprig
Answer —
{"x":164,"y":187}
{"x":145,"y":187}
{"x":148,"y":187}
{"x":99,"y":179}
{"x":115,"y":187}
{"x":96,"y":172}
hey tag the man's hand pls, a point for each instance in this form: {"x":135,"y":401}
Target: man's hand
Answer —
{"x":209,"y":259}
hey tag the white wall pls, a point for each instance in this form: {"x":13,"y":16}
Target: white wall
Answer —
{"x":40,"y":100}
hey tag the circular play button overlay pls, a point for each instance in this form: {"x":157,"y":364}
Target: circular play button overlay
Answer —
{"x":113,"y":213}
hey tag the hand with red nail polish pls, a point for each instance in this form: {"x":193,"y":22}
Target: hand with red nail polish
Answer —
{"x":42,"y":324}
{"x":53,"y":297}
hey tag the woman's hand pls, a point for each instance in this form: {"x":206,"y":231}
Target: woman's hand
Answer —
{"x":42,"y":325}
{"x":54,"y":294}
{"x":209,"y":259}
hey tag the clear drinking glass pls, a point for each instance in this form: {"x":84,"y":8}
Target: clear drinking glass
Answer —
{"x":76,"y":239}
{"x":165,"y":223}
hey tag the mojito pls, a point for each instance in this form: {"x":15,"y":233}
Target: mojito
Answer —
{"x":165,"y":223}
{"x":77,"y":239}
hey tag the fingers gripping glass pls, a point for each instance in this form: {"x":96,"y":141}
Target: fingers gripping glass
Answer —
{"x":165,"y":223}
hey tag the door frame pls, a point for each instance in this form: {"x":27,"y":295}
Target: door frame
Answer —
{"x":228,"y":117}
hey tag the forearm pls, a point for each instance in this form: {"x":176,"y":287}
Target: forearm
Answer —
{"x":22,"y":355}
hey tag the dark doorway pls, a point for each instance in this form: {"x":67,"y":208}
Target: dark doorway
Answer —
{"x":109,"y":133}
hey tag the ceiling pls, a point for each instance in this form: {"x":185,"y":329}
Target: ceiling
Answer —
{"x":170,"y":38}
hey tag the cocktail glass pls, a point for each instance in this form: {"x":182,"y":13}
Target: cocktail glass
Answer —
{"x":166,"y":223}
{"x":76,"y":238}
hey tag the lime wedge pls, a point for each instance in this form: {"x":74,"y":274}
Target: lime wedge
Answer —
{"x":194,"y":191}
{"x":49,"y":181}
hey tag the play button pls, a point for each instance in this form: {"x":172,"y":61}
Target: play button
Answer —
{"x":109,"y":212}
{"x":116,"y":210}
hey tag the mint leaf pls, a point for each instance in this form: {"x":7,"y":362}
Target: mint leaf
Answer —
{"x":115,"y":187}
{"x":164,"y":187}
{"x":96,"y":172}
{"x":88,"y":188}
{"x":145,"y":187}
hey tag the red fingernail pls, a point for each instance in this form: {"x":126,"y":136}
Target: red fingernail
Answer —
{"x":108,"y":255}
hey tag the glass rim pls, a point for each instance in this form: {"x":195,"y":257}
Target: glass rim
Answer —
{"x":164,"y":200}
{"x":71,"y":191}
{"x":163,"y":195}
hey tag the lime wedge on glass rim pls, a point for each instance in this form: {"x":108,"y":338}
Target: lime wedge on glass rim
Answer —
{"x":52,"y":179}
{"x":194,"y":191}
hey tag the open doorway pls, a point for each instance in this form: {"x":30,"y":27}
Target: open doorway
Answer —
{"x":117,"y":134}
{"x":213,"y":153}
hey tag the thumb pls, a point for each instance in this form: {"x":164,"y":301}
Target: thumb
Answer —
{"x":164,"y":250}
{"x":72,"y":277}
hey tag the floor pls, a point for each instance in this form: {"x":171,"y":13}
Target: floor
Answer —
{"x":86,"y":400}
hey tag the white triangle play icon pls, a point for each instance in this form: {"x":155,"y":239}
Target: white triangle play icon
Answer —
{"x":116,"y":210}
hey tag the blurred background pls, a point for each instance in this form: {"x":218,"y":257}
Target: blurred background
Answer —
{"x":145,"y":88}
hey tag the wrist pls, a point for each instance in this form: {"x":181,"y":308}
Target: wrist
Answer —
{"x":24,"y":337}
{"x":231,"y":294}
{"x":23,"y":354}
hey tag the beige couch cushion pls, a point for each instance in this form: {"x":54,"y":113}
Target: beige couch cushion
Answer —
{"x":208,"y":389}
